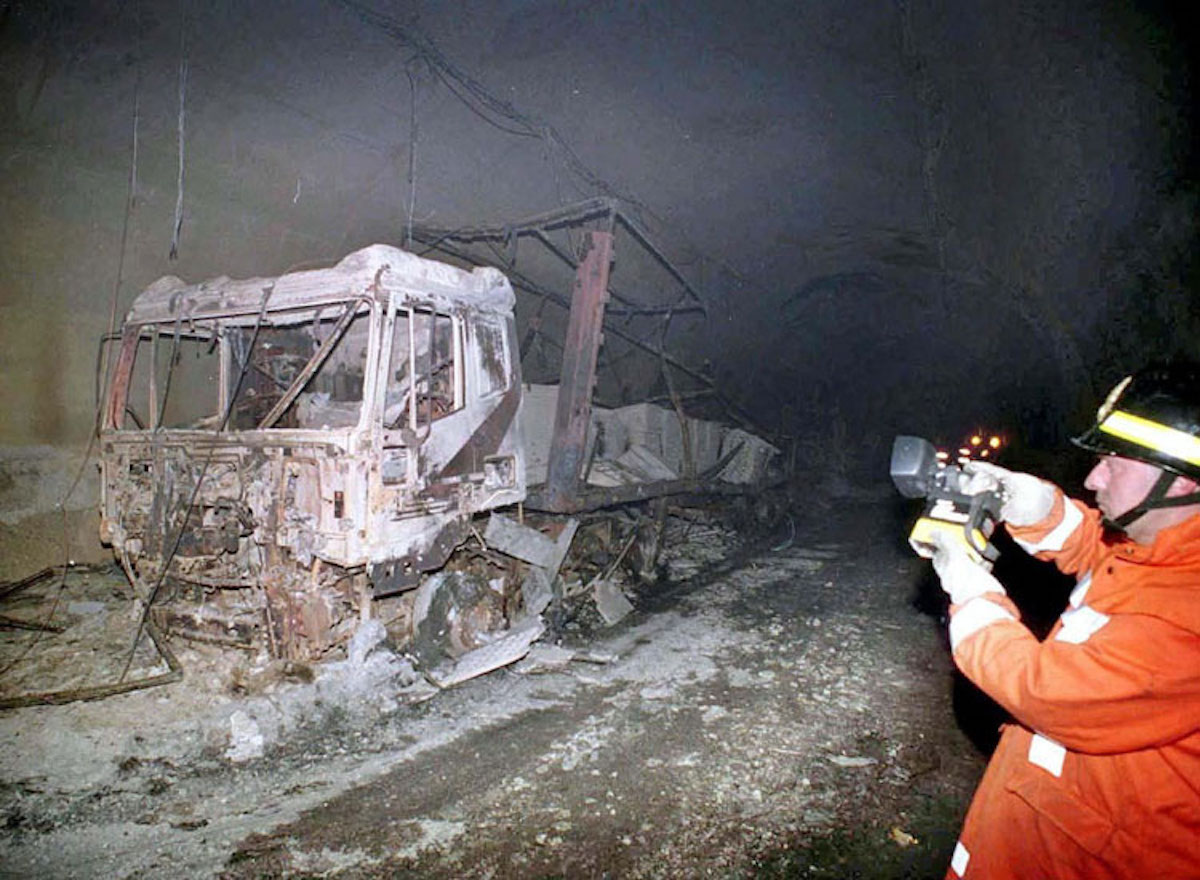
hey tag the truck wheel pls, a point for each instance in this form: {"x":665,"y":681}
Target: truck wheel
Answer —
{"x":454,"y":612}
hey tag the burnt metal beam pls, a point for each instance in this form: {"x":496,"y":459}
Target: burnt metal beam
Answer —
{"x":585,"y":332}
{"x":571,"y":215}
{"x":523,"y":282}
{"x":173,"y":674}
{"x":632,"y":307}
{"x":314,"y":364}
{"x":7,"y":622}
{"x":9,"y":587}
{"x":598,"y":497}
{"x":644,"y":237}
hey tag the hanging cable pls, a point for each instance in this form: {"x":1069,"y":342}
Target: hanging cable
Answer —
{"x":475,"y":96}
{"x":412,"y":155}
{"x":144,"y":622}
{"x":183,"y":69}
{"x":171,"y":360}
{"x":102,"y":372}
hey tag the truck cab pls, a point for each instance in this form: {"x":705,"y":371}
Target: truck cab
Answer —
{"x":276,"y":452}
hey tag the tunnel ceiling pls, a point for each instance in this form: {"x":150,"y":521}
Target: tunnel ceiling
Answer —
{"x":879,"y":204}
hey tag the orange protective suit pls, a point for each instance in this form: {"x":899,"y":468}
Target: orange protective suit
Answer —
{"x":1100,"y":775}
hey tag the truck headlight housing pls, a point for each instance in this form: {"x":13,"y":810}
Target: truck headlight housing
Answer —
{"x":499,"y":472}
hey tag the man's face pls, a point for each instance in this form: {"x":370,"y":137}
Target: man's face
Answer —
{"x":1121,"y":484}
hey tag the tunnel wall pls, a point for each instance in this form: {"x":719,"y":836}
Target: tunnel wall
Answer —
{"x":991,"y":201}
{"x":1055,"y":252}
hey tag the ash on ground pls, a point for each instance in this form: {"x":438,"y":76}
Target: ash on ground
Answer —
{"x":772,"y":705}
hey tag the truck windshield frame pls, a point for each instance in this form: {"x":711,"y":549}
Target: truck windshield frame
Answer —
{"x":426,"y":343}
{"x":296,"y":369}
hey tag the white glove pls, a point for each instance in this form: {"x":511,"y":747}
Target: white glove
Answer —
{"x":962,"y":579}
{"x":1026,"y":499}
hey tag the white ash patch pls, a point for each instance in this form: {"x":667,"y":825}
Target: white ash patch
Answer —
{"x":245,"y":738}
{"x":582,"y":746}
{"x":330,"y":861}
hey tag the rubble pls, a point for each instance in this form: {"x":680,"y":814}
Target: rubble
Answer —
{"x":672,"y":721}
{"x":530,"y":545}
{"x":643,"y":443}
{"x":851,"y":761}
{"x":545,"y":658}
{"x":537,"y":591}
{"x":610,"y":601}
{"x":510,"y":647}
{"x":751,"y":456}
{"x":245,"y":739}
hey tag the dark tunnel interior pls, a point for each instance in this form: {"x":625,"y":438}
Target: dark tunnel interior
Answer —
{"x":832,"y":222}
{"x":895,"y":216}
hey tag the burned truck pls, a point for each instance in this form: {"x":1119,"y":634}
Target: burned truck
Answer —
{"x":277,"y":452}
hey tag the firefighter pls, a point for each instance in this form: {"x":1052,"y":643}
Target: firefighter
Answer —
{"x":1098,"y":774}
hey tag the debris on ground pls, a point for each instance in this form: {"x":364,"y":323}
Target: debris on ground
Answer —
{"x":545,"y":658}
{"x":717,"y":730}
{"x":851,"y":761}
{"x":610,"y":601}
{"x":506,"y":649}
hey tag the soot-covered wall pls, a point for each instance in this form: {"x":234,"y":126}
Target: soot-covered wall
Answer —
{"x":901,"y":216}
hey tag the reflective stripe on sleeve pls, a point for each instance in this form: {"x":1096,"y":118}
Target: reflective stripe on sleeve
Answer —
{"x":1080,"y":591}
{"x":958,"y":861}
{"x":1080,"y":624}
{"x":1047,"y":754}
{"x":1058,"y":535}
{"x":974,"y":616}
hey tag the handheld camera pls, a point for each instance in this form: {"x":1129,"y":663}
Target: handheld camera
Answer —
{"x":949,"y":510}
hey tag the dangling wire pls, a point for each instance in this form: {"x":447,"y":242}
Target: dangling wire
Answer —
{"x":162,"y":407}
{"x":152,"y":596}
{"x":183,"y":69}
{"x":412,"y":156}
{"x":104,"y":370}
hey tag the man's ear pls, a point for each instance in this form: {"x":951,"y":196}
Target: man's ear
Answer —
{"x":1183,"y":486}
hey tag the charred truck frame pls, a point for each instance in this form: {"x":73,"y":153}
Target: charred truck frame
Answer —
{"x":275,"y":452}
{"x":278,"y":452}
